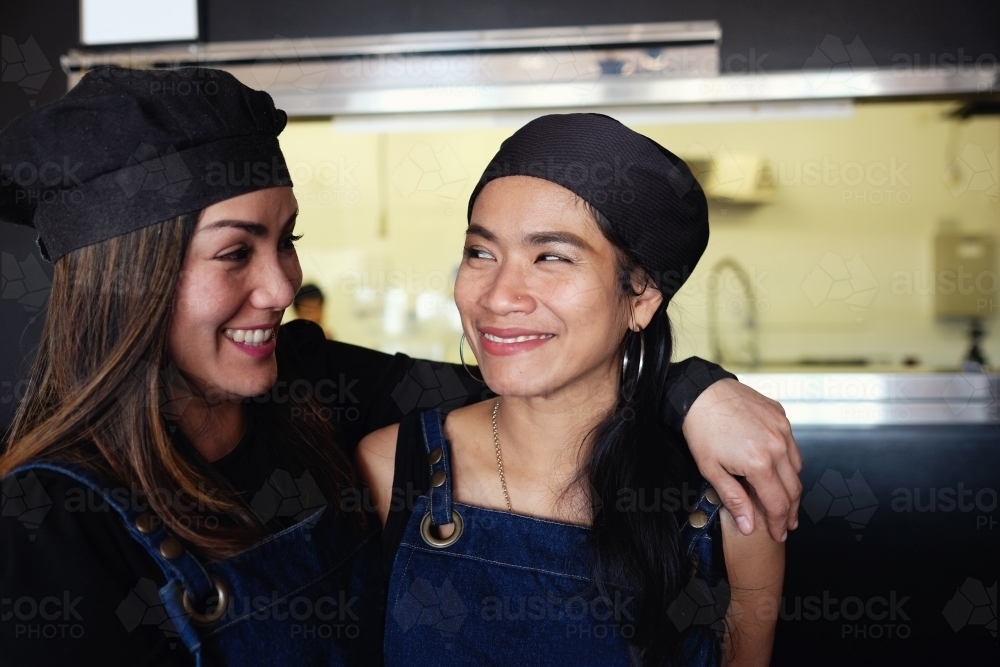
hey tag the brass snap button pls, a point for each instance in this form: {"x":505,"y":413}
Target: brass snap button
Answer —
{"x":145,"y":524}
{"x":698,"y":519}
{"x":437,"y":542}
{"x":712,"y":496}
{"x":438,"y":478}
{"x":435,"y":456}
{"x":171,"y":548}
{"x":222,"y":602}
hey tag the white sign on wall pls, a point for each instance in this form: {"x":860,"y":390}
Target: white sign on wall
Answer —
{"x":135,"y":21}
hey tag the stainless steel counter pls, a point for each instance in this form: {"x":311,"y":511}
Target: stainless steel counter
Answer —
{"x":848,"y":398}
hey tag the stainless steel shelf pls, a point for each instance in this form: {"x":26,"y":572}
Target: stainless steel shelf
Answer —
{"x":868,"y":399}
{"x":540,"y":68}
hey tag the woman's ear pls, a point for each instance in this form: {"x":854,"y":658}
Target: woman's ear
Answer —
{"x":644,"y":306}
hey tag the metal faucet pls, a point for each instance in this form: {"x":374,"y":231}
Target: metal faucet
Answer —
{"x":749,"y":323}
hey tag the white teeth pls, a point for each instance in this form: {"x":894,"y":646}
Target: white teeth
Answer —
{"x":516,"y":339}
{"x":252,"y":337}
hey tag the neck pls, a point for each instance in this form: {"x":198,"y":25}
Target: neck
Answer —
{"x":548,"y":438}
{"x":214,"y":429}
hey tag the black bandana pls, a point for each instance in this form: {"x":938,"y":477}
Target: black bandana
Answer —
{"x":647,"y":193}
{"x":125,"y":149}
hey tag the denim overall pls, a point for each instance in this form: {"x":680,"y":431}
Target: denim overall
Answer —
{"x":506,"y":589}
{"x":308,"y":595}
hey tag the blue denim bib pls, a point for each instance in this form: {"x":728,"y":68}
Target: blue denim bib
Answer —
{"x":308,"y":595}
{"x":507,"y":589}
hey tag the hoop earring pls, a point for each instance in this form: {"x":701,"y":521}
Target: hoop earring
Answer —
{"x":642,"y":353}
{"x":625,"y":365}
{"x":461,"y":355}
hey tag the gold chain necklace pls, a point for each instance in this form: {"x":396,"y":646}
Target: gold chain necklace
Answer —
{"x":496,"y":446}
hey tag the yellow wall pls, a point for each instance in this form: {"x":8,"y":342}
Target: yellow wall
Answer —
{"x":401,"y":223}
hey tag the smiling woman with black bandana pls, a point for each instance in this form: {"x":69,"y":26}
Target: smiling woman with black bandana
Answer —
{"x":178,"y":474}
{"x":561,"y":516}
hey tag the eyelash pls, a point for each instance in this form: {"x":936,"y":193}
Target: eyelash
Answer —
{"x":473,"y":253}
{"x":240,"y":254}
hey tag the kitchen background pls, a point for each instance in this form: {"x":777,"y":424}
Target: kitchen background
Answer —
{"x":850,"y":153}
{"x":840,"y":256}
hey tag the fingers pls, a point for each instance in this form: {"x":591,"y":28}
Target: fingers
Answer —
{"x":788,"y":467}
{"x":794,"y":455}
{"x":734,"y":497}
{"x":793,"y":487}
{"x":774,"y":499}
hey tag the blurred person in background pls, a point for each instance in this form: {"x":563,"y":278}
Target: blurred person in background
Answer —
{"x":308,"y":305}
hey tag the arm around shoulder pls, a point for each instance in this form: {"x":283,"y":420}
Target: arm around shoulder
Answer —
{"x":376,"y":460}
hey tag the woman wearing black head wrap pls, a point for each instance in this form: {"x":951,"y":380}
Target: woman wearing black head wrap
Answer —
{"x":559,"y":523}
{"x":177,"y":482}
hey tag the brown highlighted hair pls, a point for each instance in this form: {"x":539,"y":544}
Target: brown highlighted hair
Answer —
{"x":100,"y":393}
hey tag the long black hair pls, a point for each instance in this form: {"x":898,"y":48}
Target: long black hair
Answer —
{"x":635,"y":470}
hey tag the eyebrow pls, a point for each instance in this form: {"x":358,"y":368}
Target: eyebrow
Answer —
{"x":537,"y":238}
{"x":254,"y":228}
{"x":565,"y":238}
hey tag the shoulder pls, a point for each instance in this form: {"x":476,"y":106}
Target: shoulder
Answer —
{"x":302,"y":332}
{"x":307,"y":340}
{"x":59,"y":541}
{"x":55,"y":515}
{"x":467,"y":422}
{"x":379,"y":445}
{"x":304,"y":351}
{"x":376,"y":461}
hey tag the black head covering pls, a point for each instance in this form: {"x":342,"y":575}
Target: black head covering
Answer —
{"x":647,"y":193}
{"x":125,"y":149}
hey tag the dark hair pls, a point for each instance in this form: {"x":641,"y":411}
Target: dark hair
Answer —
{"x":636,"y":551}
{"x":308,"y":292}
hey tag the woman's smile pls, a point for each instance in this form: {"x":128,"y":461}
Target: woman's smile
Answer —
{"x":506,"y":342}
{"x":256,"y":341}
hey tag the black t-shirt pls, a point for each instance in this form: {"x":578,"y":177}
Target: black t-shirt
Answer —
{"x":66,"y":569}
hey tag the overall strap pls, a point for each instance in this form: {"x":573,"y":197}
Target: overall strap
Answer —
{"x":702,"y":519}
{"x":439,"y":460}
{"x":179,"y":565}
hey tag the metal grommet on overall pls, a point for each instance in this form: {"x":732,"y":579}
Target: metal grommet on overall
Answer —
{"x":698,"y":519}
{"x":222,"y":603}
{"x":437,"y":542}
